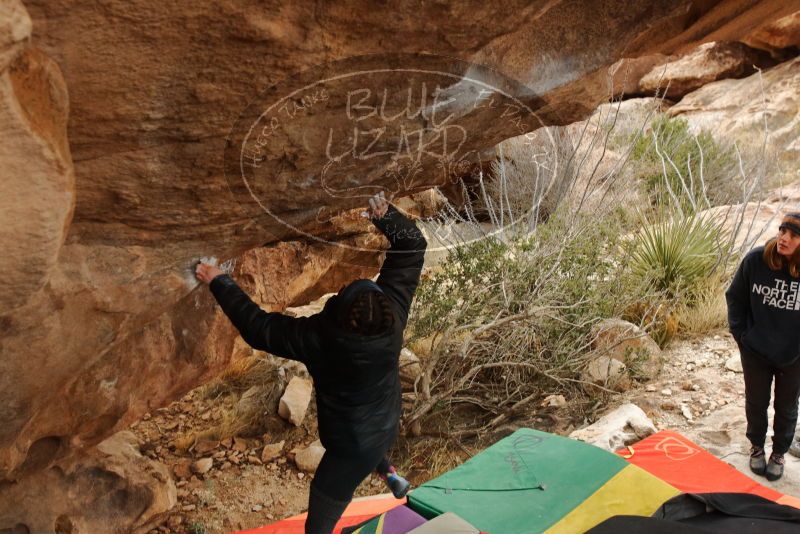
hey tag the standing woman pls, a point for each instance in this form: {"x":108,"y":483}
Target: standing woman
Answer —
{"x":351,"y":349}
{"x":764,"y":319}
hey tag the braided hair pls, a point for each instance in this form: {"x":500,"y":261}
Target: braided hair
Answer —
{"x":369,"y":313}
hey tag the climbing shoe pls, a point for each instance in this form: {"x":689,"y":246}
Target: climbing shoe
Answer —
{"x":758,"y":463}
{"x":398,"y":485}
{"x":775,"y":467}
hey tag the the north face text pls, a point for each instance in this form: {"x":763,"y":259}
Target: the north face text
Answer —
{"x":781,"y":295}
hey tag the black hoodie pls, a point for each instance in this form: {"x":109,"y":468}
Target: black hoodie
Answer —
{"x":355,"y":377}
{"x":764,"y":310}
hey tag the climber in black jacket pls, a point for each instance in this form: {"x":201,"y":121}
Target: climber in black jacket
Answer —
{"x":351,"y":349}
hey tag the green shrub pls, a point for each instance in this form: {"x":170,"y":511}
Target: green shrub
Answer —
{"x":674,"y":164}
{"x":514,"y":317}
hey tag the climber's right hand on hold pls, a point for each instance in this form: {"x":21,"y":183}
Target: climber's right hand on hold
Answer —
{"x":377,"y":206}
{"x":206,"y":273}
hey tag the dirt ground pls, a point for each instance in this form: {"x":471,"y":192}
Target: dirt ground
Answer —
{"x":239,"y":491}
{"x":700,"y":393}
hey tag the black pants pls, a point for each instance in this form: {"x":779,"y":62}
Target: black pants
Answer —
{"x":334,"y":483}
{"x":758,"y":374}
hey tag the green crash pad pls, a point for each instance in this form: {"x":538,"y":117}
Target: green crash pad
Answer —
{"x":524,"y":483}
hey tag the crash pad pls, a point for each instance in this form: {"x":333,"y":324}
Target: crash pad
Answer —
{"x":357,"y":512}
{"x":532,"y":481}
{"x":689,"y":467}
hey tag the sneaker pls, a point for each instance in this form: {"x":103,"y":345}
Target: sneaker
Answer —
{"x":794,"y":450}
{"x":758,"y":464}
{"x":775,"y":467}
{"x":398,"y":485}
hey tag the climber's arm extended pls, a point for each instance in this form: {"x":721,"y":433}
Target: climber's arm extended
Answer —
{"x":276,"y":333}
{"x":399,"y":276}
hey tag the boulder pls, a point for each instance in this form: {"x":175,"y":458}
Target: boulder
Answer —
{"x":776,"y":36}
{"x":308,"y":459}
{"x":708,"y":63}
{"x":621,"y":427}
{"x":410,"y":368}
{"x":748,"y":109}
{"x":113,"y":488}
{"x":240,"y":444}
{"x":607,"y":372}
{"x":629,"y":344}
{"x":294,"y":402}
{"x":100,"y":231}
{"x":761,"y":219}
{"x":204,"y":446}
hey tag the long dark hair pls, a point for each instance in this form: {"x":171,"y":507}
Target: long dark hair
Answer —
{"x":777,"y":262}
{"x":369,"y":314}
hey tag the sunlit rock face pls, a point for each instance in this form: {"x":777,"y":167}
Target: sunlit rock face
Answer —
{"x":127,"y":128}
{"x":762,"y":107}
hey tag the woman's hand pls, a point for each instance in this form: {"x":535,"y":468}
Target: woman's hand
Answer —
{"x":205,"y":272}
{"x":377,"y":206}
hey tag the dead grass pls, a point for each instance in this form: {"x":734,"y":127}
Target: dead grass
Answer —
{"x":708,"y":314}
{"x":242,"y":375}
{"x":258,"y":383}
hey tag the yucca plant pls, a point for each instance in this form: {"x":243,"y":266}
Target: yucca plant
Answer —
{"x":678,"y":253}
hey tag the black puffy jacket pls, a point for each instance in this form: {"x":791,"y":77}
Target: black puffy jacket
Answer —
{"x":356,"y":377}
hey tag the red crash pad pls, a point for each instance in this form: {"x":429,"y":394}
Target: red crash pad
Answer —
{"x":357,"y":512}
{"x":685,"y":465}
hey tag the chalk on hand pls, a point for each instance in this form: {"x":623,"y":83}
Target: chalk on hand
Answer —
{"x":191,"y":277}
